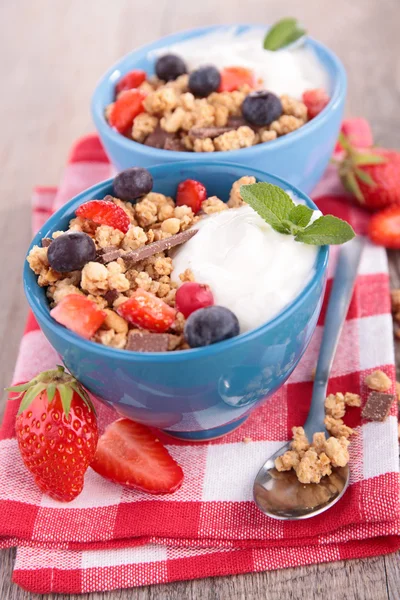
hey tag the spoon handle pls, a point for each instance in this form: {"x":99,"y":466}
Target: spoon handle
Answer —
{"x":342,"y":289}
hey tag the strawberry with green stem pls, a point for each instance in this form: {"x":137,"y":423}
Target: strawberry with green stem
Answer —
{"x":372,"y":175}
{"x":56,"y":430}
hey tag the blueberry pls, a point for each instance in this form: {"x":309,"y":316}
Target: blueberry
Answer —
{"x":131,"y":184}
{"x":71,"y":251}
{"x":209,"y":325}
{"x":204,"y":81}
{"x":169,"y":67}
{"x":261,"y":108}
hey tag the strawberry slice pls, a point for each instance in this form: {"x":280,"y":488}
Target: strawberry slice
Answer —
{"x":128,"y":105}
{"x":384,"y":227}
{"x":192,"y":193}
{"x":104,"y":212}
{"x":315,"y":100}
{"x":130,"y":81}
{"x":358,"y":133}
{"x":147,"y":311}
{"x":128,"y":453}
{"x":232,"y":78}
{"x":79,"y":314}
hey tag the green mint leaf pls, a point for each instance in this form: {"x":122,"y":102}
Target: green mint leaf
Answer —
{"x":272,"y":203}
{"x":296,"y":34}
{"x":300,"y":215}
{"x":326,"y":230}
{"x":284,"y":32}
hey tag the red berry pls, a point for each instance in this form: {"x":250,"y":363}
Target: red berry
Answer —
{"x":232,"y":78}
{"x":315,"y":100}
{"x":104,"y":212}
{"x":147,"y":311}
{"x":128,"y":105}
{"x":128,"y":453}
{"x":130,"y":81}
{"x":358,"y":132}
{"x":384,"y":227}
{"x":57,"y":433}
{"x":192,"y":193}
{"x":79,"y":314}
{"x":191,"y":296}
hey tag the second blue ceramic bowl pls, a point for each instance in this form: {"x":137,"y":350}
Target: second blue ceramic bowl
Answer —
{"x":299,"y":157}
{"x":194,"y":394}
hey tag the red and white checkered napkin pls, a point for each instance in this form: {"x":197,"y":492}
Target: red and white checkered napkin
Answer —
{"x":110,"y":537}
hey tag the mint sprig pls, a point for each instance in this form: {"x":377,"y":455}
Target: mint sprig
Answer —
{"x":277,"y":208}
{"x":284,"y":32}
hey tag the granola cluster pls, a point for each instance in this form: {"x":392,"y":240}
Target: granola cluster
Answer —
{"x":174,"y":119}
{"x":313,"y":461}
{"x":109,"y":284}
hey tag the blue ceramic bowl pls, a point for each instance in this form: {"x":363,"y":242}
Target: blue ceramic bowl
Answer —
{"x":194,"y":394}
{"x":299,"y":157}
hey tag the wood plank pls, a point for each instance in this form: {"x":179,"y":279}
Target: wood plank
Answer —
{"x":55,"y":52}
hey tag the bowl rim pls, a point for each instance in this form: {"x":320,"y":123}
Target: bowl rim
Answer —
{"x":97,"y":106}
{"x":42,"y":311}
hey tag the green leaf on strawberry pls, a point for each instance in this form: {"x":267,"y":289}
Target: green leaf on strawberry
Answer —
{"x":371,"y":175}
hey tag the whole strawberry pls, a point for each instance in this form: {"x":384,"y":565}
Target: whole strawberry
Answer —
{"x":372,"y":175}
{"x":57,"y":432}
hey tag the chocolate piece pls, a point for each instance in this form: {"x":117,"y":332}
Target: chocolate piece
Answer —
{"x":135,"y":256}
{"x":378,"y":406}
{"x":173,"y":142}
{"x":208,"y":132}
{"x":157,"y":138}
{"x":46,"y":242}
{"x":110,"y":297}
{"x":106,"y":250}
{"x":236,"y":122}
{"x":109,"y":256}
{"x":147,"y":342}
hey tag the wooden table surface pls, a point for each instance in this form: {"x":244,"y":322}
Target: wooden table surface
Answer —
{"x":52,"y":53}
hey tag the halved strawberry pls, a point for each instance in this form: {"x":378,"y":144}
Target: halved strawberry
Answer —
{"x":79,"y":314}
{"x":130,"y":81}
{"x":128,"y":453}
{"x":384,"y":227}
{"x":315,"y":100}
{"x":127,"y":106}
{"x":192,"y":193}
{"x":104,"y":212}
{"x":232,"y":78}
{"x":147,"y":311}
{"x":358,"y":132}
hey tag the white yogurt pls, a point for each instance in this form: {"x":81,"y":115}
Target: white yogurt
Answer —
{"x":287,"y":71}
{"x":251,"y":269}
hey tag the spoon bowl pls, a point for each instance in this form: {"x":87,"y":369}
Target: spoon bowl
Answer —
{"x":280,"y":495}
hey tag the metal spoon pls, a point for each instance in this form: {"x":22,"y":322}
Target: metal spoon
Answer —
{"x":280,"y":494}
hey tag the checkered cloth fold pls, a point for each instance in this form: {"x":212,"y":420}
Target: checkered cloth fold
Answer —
{"x":111,"y":537}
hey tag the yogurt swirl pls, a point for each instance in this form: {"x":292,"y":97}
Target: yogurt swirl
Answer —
{"x":251,"y":269}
